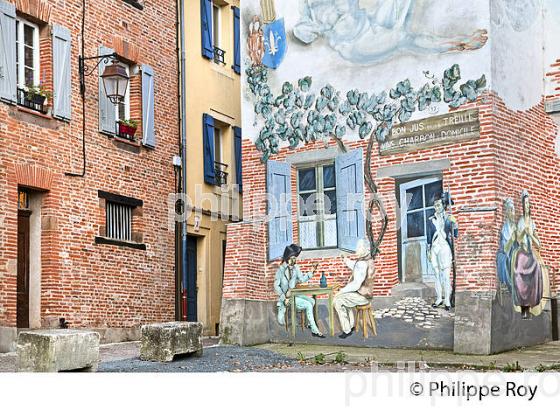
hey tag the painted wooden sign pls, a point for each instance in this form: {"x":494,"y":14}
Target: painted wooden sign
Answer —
{"x":451,"y":128}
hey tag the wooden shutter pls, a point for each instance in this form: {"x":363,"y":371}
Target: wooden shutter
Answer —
{"x":350,"y":199}
{"x":206,"y":27}
{"x":8,"y":78}
{"x":208,"y":144}
{"x":62,"y":79}
{"x":238,"y":155}
{"x":148,"y":129}
{"x":279,"y":191}
{"x":107,"y":111}
{"x":236,"y":41}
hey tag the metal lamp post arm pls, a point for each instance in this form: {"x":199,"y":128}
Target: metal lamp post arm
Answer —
{"x":85,"y":71}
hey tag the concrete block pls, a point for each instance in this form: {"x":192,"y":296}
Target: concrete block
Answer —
{"x":244,"y":322}
{"x":162,"y":341}
{"x":8,"y":338}
{"x":57,"y":350}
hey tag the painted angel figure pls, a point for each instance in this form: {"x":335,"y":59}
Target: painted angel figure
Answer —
{"x":255,"y":41}
{"x":366,"y":36}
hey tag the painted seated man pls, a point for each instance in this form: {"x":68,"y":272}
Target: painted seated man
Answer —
{"x":356,"y":292}
{"x":441,"y":231}
{"x":287,"y":277}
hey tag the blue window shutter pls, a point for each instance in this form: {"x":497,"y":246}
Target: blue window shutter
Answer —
{"x":236,"y":41}
{"x":208,"y":143}
{"x":148,"y":129}
{"x":238,"y":156}
{"x":62,"y":78}
{"x":350,"y":199}
{"x":107,"y":110}
{"x":279,"y":190}
{"x":8,"y":78}
{"x":206,"y":27}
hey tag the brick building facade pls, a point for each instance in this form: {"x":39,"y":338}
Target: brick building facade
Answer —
{"x":515,"y":149}
{"x":95,"y":250}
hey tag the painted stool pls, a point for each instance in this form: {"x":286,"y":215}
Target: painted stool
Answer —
{"x":301,"y":319}
{"x":364,"y":315}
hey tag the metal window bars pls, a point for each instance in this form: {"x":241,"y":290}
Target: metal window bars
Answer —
{"x":219,"y":56}
{"x":119,"y":221}
{"x":35,"y":102}
{"x":220,"y":173}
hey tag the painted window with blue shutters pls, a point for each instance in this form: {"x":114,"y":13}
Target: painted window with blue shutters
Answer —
{"x":236,"y":41}
{"x":350,"y":199}
{"x":280,"y":232}
{"x":330,"y":210}
{"x":206,"y":12}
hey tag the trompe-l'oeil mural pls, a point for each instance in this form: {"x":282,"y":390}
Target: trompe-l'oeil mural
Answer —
{"x":301,"y":112}
{"x":521,"y":269}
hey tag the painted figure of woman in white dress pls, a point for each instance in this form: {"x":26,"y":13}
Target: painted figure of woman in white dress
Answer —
{"x":508,"y":244}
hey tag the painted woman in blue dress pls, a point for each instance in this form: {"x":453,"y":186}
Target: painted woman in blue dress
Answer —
{"x":507,"y":244}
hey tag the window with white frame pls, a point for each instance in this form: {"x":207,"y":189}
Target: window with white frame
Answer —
{"x":27,"y":54}
{"x":122,"y":109}
{"x":317,"y":206}
{"x":118,"y":221}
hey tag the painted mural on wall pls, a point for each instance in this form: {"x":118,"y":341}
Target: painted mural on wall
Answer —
{"x":368,"y":35}
{"x":291,"y":107}
{"x":520,"y":267}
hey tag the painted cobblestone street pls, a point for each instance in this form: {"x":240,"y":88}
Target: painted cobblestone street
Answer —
{"x":414,"y":310}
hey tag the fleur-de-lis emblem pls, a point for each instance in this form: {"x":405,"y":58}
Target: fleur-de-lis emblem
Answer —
{"x":273,"y":42}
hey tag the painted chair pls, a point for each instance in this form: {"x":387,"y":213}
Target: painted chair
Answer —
{"x":365,"y":318}
{"x":288,"y":315}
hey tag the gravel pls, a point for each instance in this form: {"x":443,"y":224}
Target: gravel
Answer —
{"x":214,"y":359}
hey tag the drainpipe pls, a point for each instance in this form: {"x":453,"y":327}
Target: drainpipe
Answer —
{"x":183,"y":107}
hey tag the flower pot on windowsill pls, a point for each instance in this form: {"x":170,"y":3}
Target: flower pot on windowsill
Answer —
{"x":127,"y":130}
{"x":38,"y":99}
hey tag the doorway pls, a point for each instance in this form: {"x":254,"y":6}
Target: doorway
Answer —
{"x":192,"y":289}
{"x":417,"y":206}
{"x":23,"y":259}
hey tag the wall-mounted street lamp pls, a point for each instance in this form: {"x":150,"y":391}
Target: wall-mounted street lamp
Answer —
{"x":115,"y":82}
{"x":114,"y":77}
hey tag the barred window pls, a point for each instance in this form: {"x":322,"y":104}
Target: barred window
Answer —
{"x":119,"y":221}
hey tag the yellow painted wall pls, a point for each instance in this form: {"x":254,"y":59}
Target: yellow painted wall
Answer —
{"x":214,"y":89}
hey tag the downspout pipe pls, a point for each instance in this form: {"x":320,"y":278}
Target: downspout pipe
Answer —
{"x":183,"y":104}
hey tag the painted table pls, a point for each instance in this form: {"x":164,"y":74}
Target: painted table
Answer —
{"x":314,"y":292}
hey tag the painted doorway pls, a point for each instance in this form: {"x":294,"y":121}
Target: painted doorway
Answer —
{"x":192,"y":289}
{"x":23,"y":259}
{"x":417,"y":206}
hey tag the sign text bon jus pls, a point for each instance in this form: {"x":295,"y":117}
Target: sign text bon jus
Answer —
{"x":431,"y":132}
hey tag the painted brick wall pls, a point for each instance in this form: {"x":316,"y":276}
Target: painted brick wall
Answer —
{"x":504,"y":160}
{"x":89,"y":284}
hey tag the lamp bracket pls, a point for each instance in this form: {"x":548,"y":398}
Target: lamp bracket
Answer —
{"x":87,"y":71}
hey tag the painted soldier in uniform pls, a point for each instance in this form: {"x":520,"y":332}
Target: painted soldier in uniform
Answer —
{"x":287,"y":277}
{"x":441,"y":231}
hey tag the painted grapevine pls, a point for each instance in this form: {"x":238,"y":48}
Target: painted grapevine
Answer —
{"x":301,"y":113}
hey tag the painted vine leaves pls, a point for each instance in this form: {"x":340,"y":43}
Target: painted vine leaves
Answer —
{"x":298,"y":115}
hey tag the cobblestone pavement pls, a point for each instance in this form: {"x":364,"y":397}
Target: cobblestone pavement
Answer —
{"x":414,"y":310}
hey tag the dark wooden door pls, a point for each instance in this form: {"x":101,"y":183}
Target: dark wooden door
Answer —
{"x":192,"y":299}
{"x":23,"y":269}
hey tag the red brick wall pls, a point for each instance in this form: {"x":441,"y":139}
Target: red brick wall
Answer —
{"x":89,"y":284}
{"x":515,"y":151}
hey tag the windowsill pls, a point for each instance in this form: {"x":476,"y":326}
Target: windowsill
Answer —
{"x":101,"y":240}
{"x":33,"y":112}
{"x":222,"y":69}
{"x":135,"y":4}
{"x":322,"y":254}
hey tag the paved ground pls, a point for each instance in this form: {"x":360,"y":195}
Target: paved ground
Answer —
{"x":538,"y":358}
{"x":124,"y":357}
